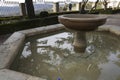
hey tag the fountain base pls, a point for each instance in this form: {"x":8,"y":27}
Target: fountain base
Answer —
{"x":79,"y":41}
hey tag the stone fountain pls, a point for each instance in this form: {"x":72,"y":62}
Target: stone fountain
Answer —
{"x":80,"y":24}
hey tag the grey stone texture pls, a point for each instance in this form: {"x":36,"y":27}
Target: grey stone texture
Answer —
{"x":6,"y":74}
{"x":10,"y":48}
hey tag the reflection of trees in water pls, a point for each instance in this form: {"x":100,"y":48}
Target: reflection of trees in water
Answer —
{"x":86,"y":67}
{"x":104,"y":43}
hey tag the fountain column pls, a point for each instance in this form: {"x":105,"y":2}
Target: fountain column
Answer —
{"x":78,"y":6}
{"x":23,"y":9}
{"x":56,"y":7}
{"x":30,"y":8}
{"x":79,"y":42}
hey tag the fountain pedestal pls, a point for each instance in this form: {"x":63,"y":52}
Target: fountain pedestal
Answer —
{"x":79,"y":42}
{"x":81,"y":23}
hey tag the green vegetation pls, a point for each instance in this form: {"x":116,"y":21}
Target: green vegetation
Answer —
{"x":26,"y":24}
{"x":107,"y":11}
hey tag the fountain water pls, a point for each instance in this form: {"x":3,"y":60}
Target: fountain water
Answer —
{"x":52,"y":57}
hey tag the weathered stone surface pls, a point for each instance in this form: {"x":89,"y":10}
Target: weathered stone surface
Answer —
{"x":111,"y":28}
{"x":6,"y":74}
{"x":10,"y":48}
{"x":104,"y":28}
{"x":28,"y":32}
{"x":14,"y":37}
{"x":115,"y":29}
{"x":42,"y":30}
{"x":80,"y":22}
{"x":47,"y":29}
{"x":79,"y":42}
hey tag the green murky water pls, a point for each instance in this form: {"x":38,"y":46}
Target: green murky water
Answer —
{"x":53,"y":57}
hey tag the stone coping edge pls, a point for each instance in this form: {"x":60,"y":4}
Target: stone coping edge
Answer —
{"x":42,"y":30}
{"x":6,"y":74}
{"x":110,"y":28}
{"x":10,"y":48}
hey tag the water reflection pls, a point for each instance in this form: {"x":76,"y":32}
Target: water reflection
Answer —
{"x":52,"y":57}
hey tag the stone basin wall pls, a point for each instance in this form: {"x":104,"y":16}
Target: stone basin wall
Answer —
{"x":10,"y":48}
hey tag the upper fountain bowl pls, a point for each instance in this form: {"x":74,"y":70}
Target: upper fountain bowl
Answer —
{"x":82,"y":22}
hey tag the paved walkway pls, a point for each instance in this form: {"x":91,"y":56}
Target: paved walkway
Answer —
{"x":112,"y":20}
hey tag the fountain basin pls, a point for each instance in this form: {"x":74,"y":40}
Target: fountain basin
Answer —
{"x":11,"y":48}
{"x":84,"y":22}
{"x":52,"y":57}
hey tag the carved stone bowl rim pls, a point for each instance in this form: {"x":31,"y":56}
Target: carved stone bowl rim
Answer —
{"x":83,"y":17}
